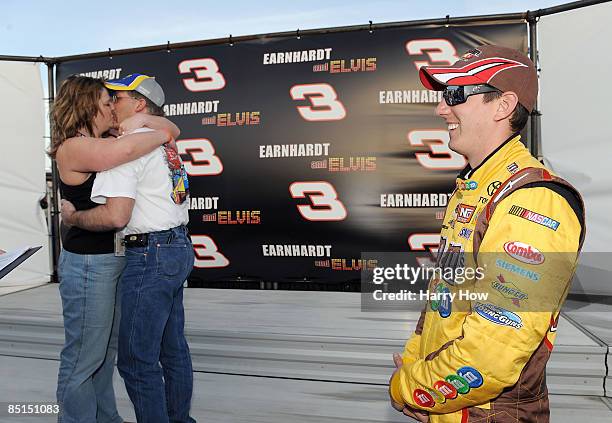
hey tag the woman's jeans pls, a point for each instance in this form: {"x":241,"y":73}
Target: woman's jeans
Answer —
{"x":91,"y":308}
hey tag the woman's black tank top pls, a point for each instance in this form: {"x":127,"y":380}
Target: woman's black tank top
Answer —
{"x":81,"y":241}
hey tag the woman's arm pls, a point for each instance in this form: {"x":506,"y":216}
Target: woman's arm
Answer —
{"x":140,"y":120}
{"x":85,"y":154}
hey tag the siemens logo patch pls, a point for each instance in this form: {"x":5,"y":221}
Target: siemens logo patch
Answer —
{"x":518,"y":270}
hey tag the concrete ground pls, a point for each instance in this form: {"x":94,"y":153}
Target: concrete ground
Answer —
{"x":241,"y":399}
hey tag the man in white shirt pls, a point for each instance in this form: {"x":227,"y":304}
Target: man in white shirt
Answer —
{"x":148,"y":199}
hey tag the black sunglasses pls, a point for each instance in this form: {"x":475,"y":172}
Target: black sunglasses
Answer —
{"x":455,"y":94}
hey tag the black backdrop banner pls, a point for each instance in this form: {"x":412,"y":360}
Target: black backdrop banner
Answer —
{"x":302,"y":153}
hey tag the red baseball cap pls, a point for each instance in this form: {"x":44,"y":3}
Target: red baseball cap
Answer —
{"x":503,"y":68}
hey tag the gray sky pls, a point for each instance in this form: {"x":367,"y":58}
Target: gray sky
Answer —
{"x":58,"y":28}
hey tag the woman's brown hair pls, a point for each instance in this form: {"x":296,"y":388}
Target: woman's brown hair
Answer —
{"x":75,"y":107}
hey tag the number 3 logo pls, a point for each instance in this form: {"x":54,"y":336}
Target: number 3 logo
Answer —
{"x":324,"y":100}
{"x":324,"y":198}
{"x":424,"y":242}
{"x":208,"y":77}
{"x":441,"y":156}
{"x":202,"y":159}
{"x":207,"y":253}
{"x":439,"y":50}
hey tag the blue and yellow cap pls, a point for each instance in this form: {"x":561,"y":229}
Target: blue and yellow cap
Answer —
{"x":143,"y":84}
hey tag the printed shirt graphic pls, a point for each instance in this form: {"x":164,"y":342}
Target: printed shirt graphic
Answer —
{"x":468,"y":352}
{"x":159,"y":203}
{"x":178,"y":176}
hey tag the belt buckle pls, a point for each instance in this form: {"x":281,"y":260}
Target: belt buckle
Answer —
{"x":136,"y":240}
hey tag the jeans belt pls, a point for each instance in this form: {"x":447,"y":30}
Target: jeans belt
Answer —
{"x":136,"y":240}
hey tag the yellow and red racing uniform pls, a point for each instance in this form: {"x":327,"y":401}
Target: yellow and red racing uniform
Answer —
{"x":483,"y":358}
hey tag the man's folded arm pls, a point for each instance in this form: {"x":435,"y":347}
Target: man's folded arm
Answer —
{"x":115,"y":190}
{"x":113,"y":215}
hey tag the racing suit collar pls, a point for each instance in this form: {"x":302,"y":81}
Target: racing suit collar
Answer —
{"x":468,"y":172}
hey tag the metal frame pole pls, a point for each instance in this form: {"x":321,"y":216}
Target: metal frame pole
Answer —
{"x":55,"y":227}
{"x":535,"y":145}
{"x":568,"y":6}
{"x":30,"y":59}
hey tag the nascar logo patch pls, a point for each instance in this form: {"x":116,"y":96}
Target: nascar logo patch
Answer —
{"x":534,"y":217}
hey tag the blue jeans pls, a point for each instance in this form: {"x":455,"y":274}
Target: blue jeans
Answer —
{"x":88,"y":287}
{"x":152,"y":328}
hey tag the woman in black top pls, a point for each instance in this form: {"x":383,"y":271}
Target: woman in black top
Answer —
{"x":88,"y":269}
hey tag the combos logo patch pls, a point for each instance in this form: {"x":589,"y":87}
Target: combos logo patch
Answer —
{"x":524,"y":253}
{"x":534,"y":217}
{"x":466,"y":379}
{"x":498,"y":315}
{"x":465,"y":213}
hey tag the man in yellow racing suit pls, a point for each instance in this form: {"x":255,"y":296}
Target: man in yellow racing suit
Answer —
{"x":482,"y":357}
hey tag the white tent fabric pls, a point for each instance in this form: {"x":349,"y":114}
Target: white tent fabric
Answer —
{"x":22,"y":172}
{"x":576,"y":139}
